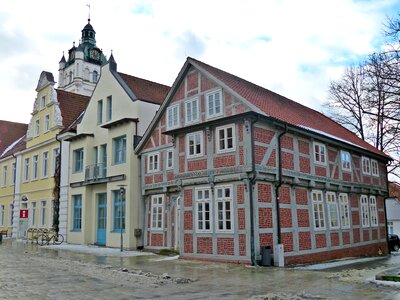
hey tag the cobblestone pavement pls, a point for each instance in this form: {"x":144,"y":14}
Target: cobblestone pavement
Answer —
{"x":31,"y":272}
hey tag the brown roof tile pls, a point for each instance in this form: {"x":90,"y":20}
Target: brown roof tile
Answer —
{"x":10,"y":132}
{"x":284,"y":109}
{"x":146,"y":90}
{"x":71,"y":106}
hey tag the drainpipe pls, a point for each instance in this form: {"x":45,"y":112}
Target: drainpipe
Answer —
{"x":278,"y":185}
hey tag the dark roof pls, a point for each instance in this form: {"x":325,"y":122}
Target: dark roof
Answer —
{"x":284,"y":109}
{"x":17,"y":146}
{"x":10,"y":132}
{"x":71,"y":106}
{"x":146,"y":90}
{"x":394,"y":190}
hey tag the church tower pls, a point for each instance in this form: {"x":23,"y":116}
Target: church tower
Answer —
{"x":79,"y":74}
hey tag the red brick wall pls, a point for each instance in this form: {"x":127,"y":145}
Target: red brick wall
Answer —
{"x":156,"y":239}
{"x":192,"y":80}
{"x":335,"y":239}
{"x":242,"y":245}
{"x":224,"y":161}
{"x":366,"y":235}
{"x":259,"y":152}
{"x":284,"y":194}
{"x":320,"y":240}
{"x":272,"y":159}
{"x":188,"y":220}
{"x":265,"y":217}
{"x":304,"y":165}
{"x":301,"y":196}
{"x":240,"y":193}
{"x":225,"y":246}
{"x":287,"y":161}
{"x":188,"y":196}
{"x":188,"y":243}
{"x":196,"y":165}
{"x":241,"y":218}
{"x":266,"y":239}
{"x":287,"y":142}
{"x":206,"y":84}
{"x":320,"y":171}
{"x":264,"y":192}
{"x":204,"y":245}
{"x":303,"y":218}
{"x":263,"y":135}
{"x":286,"y":217}
{"x":304,"y":241}
{"x":287,"y":241}
{"x":356,"y":235}
{"x":304,"y":147}
{"x":346,"y":237}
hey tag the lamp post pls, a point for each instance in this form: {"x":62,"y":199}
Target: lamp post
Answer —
{"x":121,"y":198}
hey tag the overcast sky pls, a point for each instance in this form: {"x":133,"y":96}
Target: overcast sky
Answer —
{"x":294,"y":48}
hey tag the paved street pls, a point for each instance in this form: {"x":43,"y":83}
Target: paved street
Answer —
{"x":32,"y":272}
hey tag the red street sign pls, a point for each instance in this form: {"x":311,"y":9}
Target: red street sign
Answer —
{"x":23,"y":214}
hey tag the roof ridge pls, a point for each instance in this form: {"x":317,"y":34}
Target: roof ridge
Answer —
{"x":124,"y":74}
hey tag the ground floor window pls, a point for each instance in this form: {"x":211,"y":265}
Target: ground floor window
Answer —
{"x":43,"y":213}
{"x":33,"y":214}
{"x":318,"y":209}
{"x":224,"y":201}
{"x":373,"y":211}
{"x":119,"y":210}
{"x":157,"y":212}
{"x":2,"y":211}
{"x":203,"y":209}
{"x":77,"y":212}
{"x":344,"y":210}
{"x":364,"y":211}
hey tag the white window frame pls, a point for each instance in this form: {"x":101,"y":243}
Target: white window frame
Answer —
{"x":192,"y":115}
{"x":203,"y":197}
{"x":172,"y":112}
{"x":169,"y":159}
{"x":373,"y":211}
{"x":11,"y":215}
{"x":224,"y":129}
{"x":320,"y":154}
{"x":191,"y":136}
{"x":26,"y":168}
{"x":374,"y":168}
{"x":45,"y":164}
{"x":157,"y":212}
{"x":43,"y":102}
{"x":225,"y":201}
{"x":46,"y":122}
{"x":35,"y":166}
{"x":364,"y":211}
{"x":2,"y":214}
{"x":345,"y":159}
{"x":152,"y":161}
{"x":37,"y":127}
{"x":33,"y":214}
{"x":344,"y":210}
{"x":4,"y":177}
{"x":333,"y":210}
{"x":318,"y":210}
{"x":13,"y":173}
{"x":365,"y":165}
{"x":210,"y":100}
{"x":42,"y":213}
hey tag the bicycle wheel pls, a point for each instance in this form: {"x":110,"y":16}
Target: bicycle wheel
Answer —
{"x":43,"y":240}
{"x":58,"y":240}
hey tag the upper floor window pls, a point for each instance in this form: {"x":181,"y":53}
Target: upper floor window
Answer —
{"x":319,"y":153}
{"x":45,"y":164}
{"x":214,"y":104}
{"x":344,"y":210}
{"x":46,"y":123}
{"x":225,"y":139}
{"x":374,"y":167}
{"x":78,"y":160}
{"x":318,"y":210}
{"x":153,"y":162}
{"x":157,"y":212}
{"x":119,"y":149}
{"x":4,"y":178}
{"x":37,"y":127}
{"x":173,"y":116}
{"x":333,"y":210}
{"x":26,"y":169}
{"x":13,"y":170}
{"x":109,"y":108}
{"x":364,"y":211}
{"x":195,"y":144}
{"x":346,"y":160}
{"x":170,"y":159}
{"x":366,"y":165}
{"x":35,"y":166}
{"x":192,"y":110}
{"x":95,"y":76}
{"x":224,"y":213}
{"x":100,"y":112}
{"x":203,"y":209}
{"x":43,"y":102}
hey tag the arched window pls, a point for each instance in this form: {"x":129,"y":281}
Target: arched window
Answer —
{"x":95,"y":76}
{"x":86,"y":74}
{"x":70,"y":76}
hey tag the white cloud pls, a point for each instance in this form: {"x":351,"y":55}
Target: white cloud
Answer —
{"x":291,"y":47}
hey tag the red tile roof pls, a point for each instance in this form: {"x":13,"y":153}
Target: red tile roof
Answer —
{"x":16,"y":146}
{"x":284,"y":109}
{"x":146,"y":90}
{"x":71,"y":106}
{"x":394,"y":190}
{"x":10,"y":132}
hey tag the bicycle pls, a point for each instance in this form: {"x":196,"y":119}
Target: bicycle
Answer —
{"x":48,"y":236}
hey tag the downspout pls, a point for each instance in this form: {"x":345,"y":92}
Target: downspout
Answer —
{"x":278,"y":185}
{"x":252,"y":179}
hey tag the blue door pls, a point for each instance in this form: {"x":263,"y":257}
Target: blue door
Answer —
{"x":101,"y":218}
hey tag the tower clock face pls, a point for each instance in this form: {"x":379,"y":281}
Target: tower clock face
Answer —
{"x":94,"y":54}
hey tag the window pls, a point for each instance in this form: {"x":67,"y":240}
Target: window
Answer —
{"x":225,"y":139}
{"x":26,"y":169}
{"x":214,"y":104}
{"x":33,"y":214}
{"x":333,"y":210}
{"x":2,"y":212}
{"x":77,"y":212}
{"x":45,"y":164}
{"x":42,"y":213}
{"x":366,"y":165}
{"x":35,"y":166}
{"x":13,"y":170}
{"x":318,"y":210}
{"x":95,"y":76}
{"x":56,"y":152}
{"x":100,"y":112}
{"x":374,"y":167}
{"x":78,"y":160}
{"x":11,"y":215}
{"x":157,"y":212}
{"x":43,"y":102}
{"x":119,"y":210}
{"x":109,"y":108}
{"x":153,"y":162}
{"x":4,"y":177}
{"x":173,"y":116}
{"x":192,"y":110}
{"x":46,"y":123}
{"x":119,"y":149}
{"x":223,"y":203}
{"x":195,"y":144}
{"x":344,"y":210}
{"x":52,"y":212}
{"x":364,"y":211}
{"x":346,"y":161}
{"x":170,"y":159}
{"x":37,"y":127}
{"x":203,"y":207}
{"x":319,"y":153}
{"x":373,"y":211}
